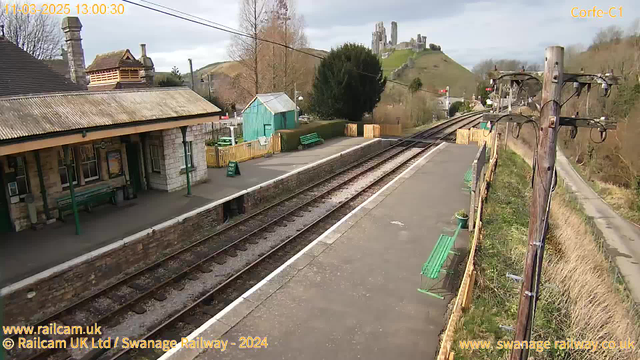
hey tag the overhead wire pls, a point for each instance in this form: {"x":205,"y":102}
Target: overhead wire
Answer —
{"x":217,"y":26}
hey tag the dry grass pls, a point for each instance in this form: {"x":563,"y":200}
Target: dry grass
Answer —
{"x":597,"y":305}
{"x":582,"y":298}
{"x":597,"y":311}
{"x":623,"y":200}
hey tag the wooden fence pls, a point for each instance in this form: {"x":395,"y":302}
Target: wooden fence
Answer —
{"x":463,"y":300}
{"x":371,"y":131}
{"x":391,"y":130}
{"x":466,"y":136}
{"x":220,"y":156}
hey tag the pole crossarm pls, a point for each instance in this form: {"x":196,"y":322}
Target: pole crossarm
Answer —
{"x":583,"y":78}
{"x":564,"y":121}
{"x":514,"y":76}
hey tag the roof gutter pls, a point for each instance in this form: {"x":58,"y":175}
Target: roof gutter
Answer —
{"x":85,"y":131}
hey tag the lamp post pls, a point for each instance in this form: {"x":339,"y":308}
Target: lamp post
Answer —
{"x":296,"y":97}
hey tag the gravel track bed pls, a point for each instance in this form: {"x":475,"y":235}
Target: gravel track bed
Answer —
{"x":134,"y":325}
{"x":230,"y":292}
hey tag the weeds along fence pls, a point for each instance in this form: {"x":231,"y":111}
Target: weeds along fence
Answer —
{"x":220,"y":156}
{"x":215,"y":130}
{"x":463,"y":299}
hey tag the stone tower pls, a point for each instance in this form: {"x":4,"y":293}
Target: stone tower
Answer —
{"x":394,"y":33}
{"x":71,"y":27}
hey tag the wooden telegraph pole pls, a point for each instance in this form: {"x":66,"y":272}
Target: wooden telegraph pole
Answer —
{"x":542,"y":184}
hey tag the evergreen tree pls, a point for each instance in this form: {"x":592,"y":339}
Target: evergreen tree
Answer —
{"x":173,"y":79}
{"x":348,"y":83}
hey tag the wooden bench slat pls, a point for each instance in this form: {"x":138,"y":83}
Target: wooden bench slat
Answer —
{"x":85,"y":198}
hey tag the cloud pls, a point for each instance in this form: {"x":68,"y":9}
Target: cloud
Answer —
{"x":468,"y":30}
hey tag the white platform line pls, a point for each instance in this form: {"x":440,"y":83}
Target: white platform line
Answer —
{"x":139,"y":235}
{"x":257,"y":286}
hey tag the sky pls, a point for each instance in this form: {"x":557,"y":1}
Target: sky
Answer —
{"x":469,"y":31}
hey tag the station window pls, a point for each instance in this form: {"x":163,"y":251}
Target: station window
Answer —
{"x":155,"y":158}
{"x":189,"y":154}
{"x":62,"y":169}
{"x":89,"y":162}
{"x":21,"y":176}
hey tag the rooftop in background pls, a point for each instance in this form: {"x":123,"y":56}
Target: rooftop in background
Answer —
{"x":32,"y":115}
{"x":275,"y":102}
{"x":21,"y":73}
{"x":114,"y":59}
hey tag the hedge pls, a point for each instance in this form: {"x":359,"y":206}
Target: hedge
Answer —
{"x":326,"y":129}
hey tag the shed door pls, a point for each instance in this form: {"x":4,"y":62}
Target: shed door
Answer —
{"x":267,"y":130}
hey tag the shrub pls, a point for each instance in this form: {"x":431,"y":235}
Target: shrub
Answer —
{"x":325,"y":129}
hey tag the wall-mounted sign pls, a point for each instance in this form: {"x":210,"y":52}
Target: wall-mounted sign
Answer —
{"x":114,"y":163}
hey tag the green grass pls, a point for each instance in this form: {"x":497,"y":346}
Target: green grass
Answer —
{"x":437,"y":71}
{"x":495,"y":297}
{"x":395,"y":60}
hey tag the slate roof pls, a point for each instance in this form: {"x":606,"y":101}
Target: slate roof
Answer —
{"x":275,"y":102}
{"x":21,"y":73}
{"x":60,"y":66}
{"x":113,"y":60}
{"x":24,"y":116}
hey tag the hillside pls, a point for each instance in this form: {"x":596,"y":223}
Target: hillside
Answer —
{"x":435,"y":69}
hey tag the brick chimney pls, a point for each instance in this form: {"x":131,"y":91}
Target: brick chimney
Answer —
{"x":71,"y":27}
{"x":149,"y":71}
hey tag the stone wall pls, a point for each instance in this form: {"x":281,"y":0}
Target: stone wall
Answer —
{"x":294,"y":182}
{"x":59,"y":287}
{"x":51,"y":176}
{"x":174,"y":157}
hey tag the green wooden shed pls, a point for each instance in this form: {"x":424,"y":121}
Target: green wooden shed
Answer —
{"x":266,"y":114}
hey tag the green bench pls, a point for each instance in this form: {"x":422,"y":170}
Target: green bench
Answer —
{"x":467,"y":179}
{"x":310,"y":139}
{"x":86,"y":199}
{"x":433,"y":267}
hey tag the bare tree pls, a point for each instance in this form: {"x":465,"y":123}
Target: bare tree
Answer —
{"x":610,"y":34}
{"x":246,"y":50}
{"x":38,"y":34}
{"x":286,"y":27}
{"x":483,"y":68}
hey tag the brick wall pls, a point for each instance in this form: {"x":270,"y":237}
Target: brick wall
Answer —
{"x":62,"y":288}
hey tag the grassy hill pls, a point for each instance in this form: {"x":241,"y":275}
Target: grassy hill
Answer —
{"x":395,"y":60}
{"x":435,"y":69}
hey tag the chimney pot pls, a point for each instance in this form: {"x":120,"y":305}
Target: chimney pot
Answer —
{"x":143,"y":49}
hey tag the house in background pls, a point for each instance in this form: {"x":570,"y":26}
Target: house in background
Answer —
{"x":55,"y":137}
{"x":121,"y":70}
{"x":266,"y":114}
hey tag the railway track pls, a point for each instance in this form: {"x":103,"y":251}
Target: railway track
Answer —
{"x":173,"y":296}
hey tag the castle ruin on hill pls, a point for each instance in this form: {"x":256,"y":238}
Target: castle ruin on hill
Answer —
{"x":381,"y":45}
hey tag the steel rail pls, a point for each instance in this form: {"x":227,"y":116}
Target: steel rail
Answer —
{"x":428,"y":132}
{"x":277,"y":247}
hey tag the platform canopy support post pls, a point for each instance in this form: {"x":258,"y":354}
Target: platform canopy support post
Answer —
{"x":70,"y":177}
{"x":186,"y":157}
